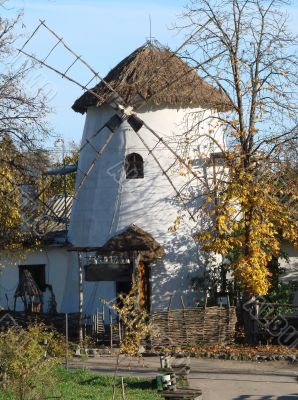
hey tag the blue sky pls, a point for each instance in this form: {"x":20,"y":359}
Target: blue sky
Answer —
{"x":103,"y":32}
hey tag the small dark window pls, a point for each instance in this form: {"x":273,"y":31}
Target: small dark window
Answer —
{"x":38,"y":274}
{"x":134,"y":166}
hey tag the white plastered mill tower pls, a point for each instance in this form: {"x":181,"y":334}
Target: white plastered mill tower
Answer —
{"x":133,"y":180}
{"x":129,"y":178}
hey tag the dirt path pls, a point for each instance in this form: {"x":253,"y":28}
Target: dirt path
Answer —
{"x":218,"y":379}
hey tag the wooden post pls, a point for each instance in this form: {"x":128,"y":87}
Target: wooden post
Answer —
{"x":123,"y":388}
{"x":85,"y":328}
{"x":119,"y":330}
{"x":168,"y":315}
{"x":103,"y":320}
{"x":170,"y":302}
{"x":183,"y":319}
{"x":135,"y":275}
{"x":103,"y":313}
{"x":92,"y":326}
{"x":111,"y":329}
{"x":97,"y":321}
{"x":219,"y":323}
{"x":81,"y":298}
{"x":66,"y":341}
{"x":206,"y":299}
{"x":248,"y":318}
{"x":255,"y":323}
{"x":182,"y":302}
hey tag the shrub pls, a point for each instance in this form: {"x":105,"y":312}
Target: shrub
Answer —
{"x":27,"y":359}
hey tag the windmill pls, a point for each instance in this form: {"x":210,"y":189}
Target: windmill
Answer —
{"x":117,"y":213}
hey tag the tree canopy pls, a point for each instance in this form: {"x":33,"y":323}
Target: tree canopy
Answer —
{"x":243,"y":47}
{"x":22,"y":130}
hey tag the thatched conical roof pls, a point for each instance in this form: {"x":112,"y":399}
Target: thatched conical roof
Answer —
{"x":155,"y":74}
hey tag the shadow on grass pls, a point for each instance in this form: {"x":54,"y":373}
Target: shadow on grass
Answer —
{"x":140,"y":385}
{"x":129,"y":383}
{"x":94,"y":381}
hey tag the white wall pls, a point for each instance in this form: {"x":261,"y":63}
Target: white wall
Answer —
{"x":93,"y":291}
{"x":108,"y":203}
{"x":290,"y":265}
{"x":58,"y":262}
{"x":55,"y":260}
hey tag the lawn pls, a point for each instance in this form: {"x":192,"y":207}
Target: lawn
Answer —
{"x":84,"y":384}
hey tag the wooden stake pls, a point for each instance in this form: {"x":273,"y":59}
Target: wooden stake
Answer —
{"x":182,"y":302}
{"x":81,"y":298}
{"x":115,"y":376}
{"x":66,"y":341}
{"x":170,"y":302}
{"x":97,"y":321}
{"x":123,"y":388}
{"x":111,"y":329}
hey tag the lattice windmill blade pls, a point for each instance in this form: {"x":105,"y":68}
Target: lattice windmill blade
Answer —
{"x":77,"y":58}
{"x":114,"y":121}
{"x":126,"y":113}
{"x":117,"y":102}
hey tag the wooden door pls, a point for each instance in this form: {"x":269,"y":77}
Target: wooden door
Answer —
{"x":144,"y":286}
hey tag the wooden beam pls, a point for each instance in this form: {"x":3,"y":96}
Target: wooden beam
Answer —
{"x":81,"y":298}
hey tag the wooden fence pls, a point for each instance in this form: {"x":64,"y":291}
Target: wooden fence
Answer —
{"x":194,"y":326}
{"x":93,"y":325}
{"x":183,"y":327}
{"x":57,"y":321}
{"x":270,"y":322}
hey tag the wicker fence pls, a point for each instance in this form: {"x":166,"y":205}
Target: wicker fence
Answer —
{"x":176,"y":328}
{"x":194,"y":326}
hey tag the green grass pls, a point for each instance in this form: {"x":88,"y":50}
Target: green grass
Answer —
{"x":84,"y":384}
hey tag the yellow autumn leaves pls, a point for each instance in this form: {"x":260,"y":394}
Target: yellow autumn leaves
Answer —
{"x":250,"y":218}
{"x":10,"y":214}
{"x":135,"y":321}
